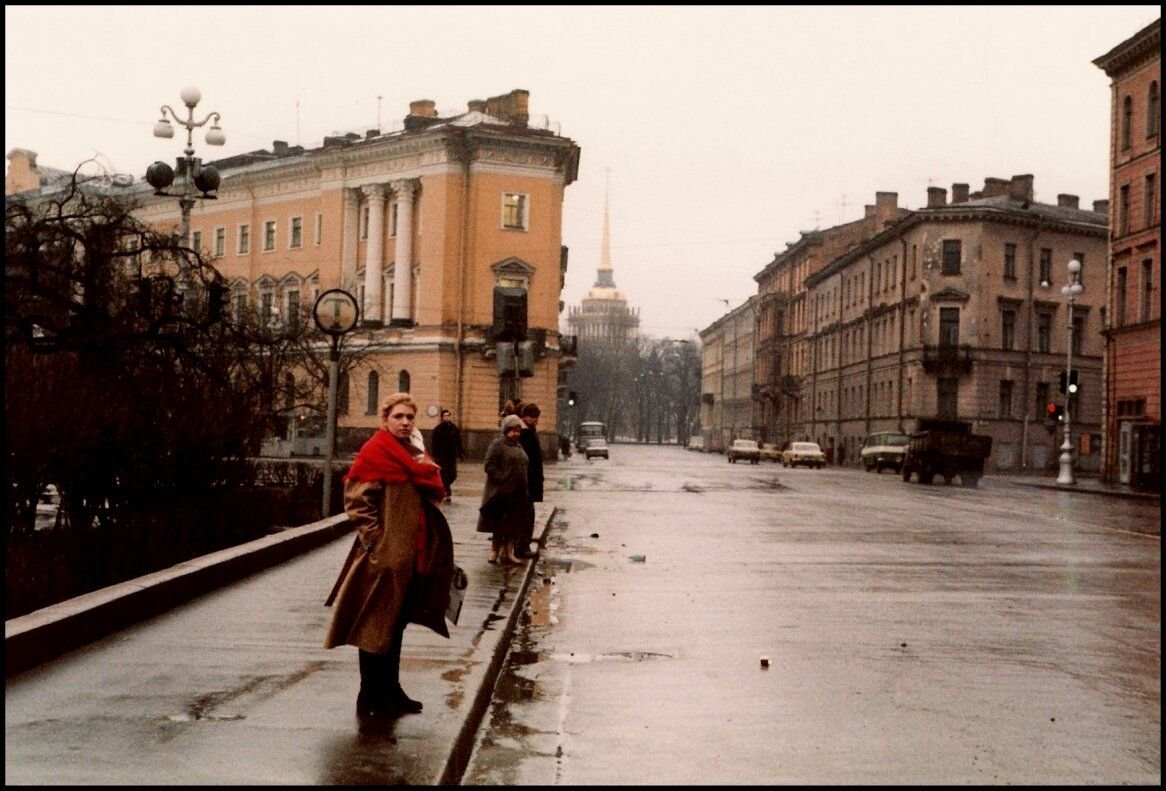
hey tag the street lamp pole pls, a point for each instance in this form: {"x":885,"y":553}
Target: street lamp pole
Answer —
{"x":336,"y":314}
{"x":194,"y":175}
{"x":1070,"y":290}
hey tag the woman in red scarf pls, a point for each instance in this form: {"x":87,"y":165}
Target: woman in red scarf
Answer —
{"x":399,"y":569}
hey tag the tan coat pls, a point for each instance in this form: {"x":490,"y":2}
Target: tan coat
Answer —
{"x":505,"y":498}
{"x":377,"y":587}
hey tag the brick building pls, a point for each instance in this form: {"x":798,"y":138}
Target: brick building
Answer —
{"x":954,"y":311}
{"x":1133,"y":350}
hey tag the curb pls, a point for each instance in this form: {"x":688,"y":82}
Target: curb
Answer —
{"x":44,"y":634}
{"x":1074,"y":489}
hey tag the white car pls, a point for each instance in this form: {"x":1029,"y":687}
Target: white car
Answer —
{"x":744,"y":449}
{"x":807,"y":454}
{"x":596,"y":448}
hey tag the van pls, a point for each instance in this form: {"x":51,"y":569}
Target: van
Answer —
{"x":884,"y":449}
{"x":696,"y":442}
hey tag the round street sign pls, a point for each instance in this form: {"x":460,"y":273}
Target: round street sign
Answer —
{"x":336,"y":311}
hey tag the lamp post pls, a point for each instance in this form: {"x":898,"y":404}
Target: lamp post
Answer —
{"x":194,"y":174}
{"x":1070,"y":290}
{"x":335,"y":313}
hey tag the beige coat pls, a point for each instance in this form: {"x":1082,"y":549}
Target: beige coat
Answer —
{"x":378,"y":586}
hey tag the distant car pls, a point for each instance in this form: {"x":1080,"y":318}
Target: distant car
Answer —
{"x":696,"y":442}
{"x":770,"y":451}
{"x":744,"y":449}
{"x":884,"y":449}
{"x":596,"y":448}
{"x":806,"y":454}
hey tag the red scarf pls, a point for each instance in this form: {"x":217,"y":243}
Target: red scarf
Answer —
{"x":383,"y":458}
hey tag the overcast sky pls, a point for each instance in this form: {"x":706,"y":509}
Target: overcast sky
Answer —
{"x":724,"y":131}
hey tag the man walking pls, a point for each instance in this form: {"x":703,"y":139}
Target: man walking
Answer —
{"x":447,"y":449}
{"x":534,"y":474}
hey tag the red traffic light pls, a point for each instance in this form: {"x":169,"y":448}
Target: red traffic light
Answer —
{"x":1051,"y":410}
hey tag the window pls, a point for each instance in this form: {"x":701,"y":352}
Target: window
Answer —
{"x":1044,"y":332}
{"x":949,"y":326}
{"x":514,"y":211}
{"x":240,"y":305}
{"x":1145,"y":314}
{"x":266,"y":307}
{"x":947,"y":397}
{"x":1078,"y":333}
{"x":951,"y":256}
{"x":403,"y":382}
{"x":342,"y":394}
{"x":914,"y":257}
{"x":374,"y":393}
{"x":1119,"y":297}
{"x":244,"y":239}
{"x":1008,"y":330}
{"x":293,"y":311}
{"x":1005,"y":398}
{"x":269,"y":235}
{"x":297,"y":232}
{"x":1123,"y":210}
{"x":1150,"y":201}
{"x":1009,"y":261}
{"x":196,"y":241}
{"x":289,"y":390}
{"x":319,"y":229}
{"x":1046,"y":265}
{"x":220,"y":242}
{"x":1152,"y":109}
{"x":1127,"y":122}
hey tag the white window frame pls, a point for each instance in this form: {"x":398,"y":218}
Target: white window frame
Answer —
{"x":295,"y":227}
{"x":220,"y":241}
{"x":243,"y":239}
{"x":523,"y":208}
{"x":270,"y":229}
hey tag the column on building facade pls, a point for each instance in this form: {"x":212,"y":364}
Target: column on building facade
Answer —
{"x":350,"y":238}
{"x":403,"y":269}
{"x":374,"y":254}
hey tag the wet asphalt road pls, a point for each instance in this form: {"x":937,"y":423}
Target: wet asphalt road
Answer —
{"x":914,"y":634}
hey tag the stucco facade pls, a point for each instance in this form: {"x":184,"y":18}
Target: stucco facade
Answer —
{"x":955,"y":311}
{"x":1133,"y":355}
{"x":727,"y":375}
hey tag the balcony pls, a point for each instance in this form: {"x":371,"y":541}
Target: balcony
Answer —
{"x":947,"y":360}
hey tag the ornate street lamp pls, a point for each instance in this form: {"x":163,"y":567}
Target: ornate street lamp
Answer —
{"x":336,"y":314}
{"x":194,"y":175}
{"x":1070,"y":290}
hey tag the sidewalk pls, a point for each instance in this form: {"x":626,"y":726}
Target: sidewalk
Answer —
{"x":1085,"y":484}
{"x":228,"y":683}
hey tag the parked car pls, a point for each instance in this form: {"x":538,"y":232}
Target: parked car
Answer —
{"x":696,"y":442}
{"x":596,"y":448}
{"x":884,"y":449}
{"x":744,"y":449}
{"x":807,"y":454}
{"x":770,"y":451}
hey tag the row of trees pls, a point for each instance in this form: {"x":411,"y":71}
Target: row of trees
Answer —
{"x":126,"y":386}
{"x":647,"y":390}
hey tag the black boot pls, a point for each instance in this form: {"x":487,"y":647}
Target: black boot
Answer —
{"x":373,"y":698}
{"x":395,"y":696}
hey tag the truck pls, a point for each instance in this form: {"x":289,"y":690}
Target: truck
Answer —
{"x":947,"y":448}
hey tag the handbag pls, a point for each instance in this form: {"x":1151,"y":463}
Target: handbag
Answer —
{"x":457,"y":594}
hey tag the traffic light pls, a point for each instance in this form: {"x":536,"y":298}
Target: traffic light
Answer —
{"x":1054,"y":412}
{"x":1060,"y":384}
{"x":572,"y":398}
{"x":1072,"y":378}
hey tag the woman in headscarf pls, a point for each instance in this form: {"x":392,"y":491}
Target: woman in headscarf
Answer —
{"x":506,"y":498}
{"x":399,"y":569}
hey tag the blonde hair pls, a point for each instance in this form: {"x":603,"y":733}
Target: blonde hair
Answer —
{"x":395,"y":399}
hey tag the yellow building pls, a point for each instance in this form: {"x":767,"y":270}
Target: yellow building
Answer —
{"x":422,"y":226}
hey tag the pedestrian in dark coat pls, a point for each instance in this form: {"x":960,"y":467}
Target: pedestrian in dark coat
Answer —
{"x":534,"y":475}
{"x":505,"y":499}
{"x":400,"y":567}
{"x":447,"y":449}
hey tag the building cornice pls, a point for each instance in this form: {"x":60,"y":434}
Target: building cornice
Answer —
{"x":1142,"y":47}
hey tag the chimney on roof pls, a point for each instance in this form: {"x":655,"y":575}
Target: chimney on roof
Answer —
{"x":1101,"y":206}
{"x":868,"y":211}
{"x":510,"y":107}
{"x":279,"y":147}
{"x":936,"y":197}
{"x":424,"y":107}
{"x":1020,"y":188}
{"x":1067,"y":201}
{"x":959,"y":193}
{"x":994,"y":187}
{"x":476,"y":105}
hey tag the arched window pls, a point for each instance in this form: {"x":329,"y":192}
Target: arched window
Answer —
{"x":403,"y":382}
{"x":1127,"y":122}
{"x":289,"y":390}
{"x":1153,"y":108}
{"x":342,"y":394}
{"x":374,"y":392}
